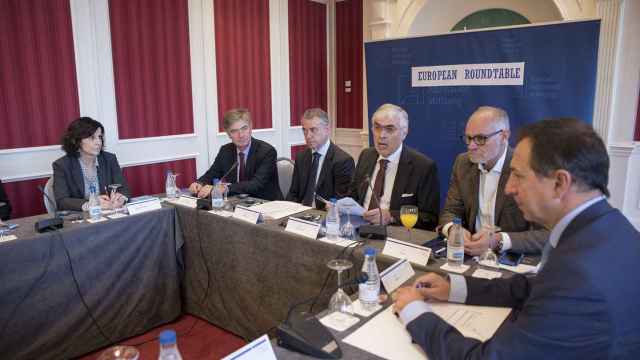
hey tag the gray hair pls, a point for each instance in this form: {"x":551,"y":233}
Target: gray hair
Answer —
{"x":234,"y":115}
{"x":312,"y":113}
{"x":393,"y":111}
{"x":499,"y":117}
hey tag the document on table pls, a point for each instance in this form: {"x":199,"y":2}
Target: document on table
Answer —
{"x":279,"y":209}
{"x":349,"y":205}
{"x":386,"y":336}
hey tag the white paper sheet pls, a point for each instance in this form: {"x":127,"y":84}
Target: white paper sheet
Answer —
{"x":339,"y":321}
{"x":258,"y":349}
{"x":456,"y":269}
{"x":279,"y":209}
{"x":349,"y":205}
{"x":340,"y":242}
{"x":386,"y":336}
{"x":405,"y":250}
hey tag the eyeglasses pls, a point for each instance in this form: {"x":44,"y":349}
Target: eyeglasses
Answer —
{"x":479,"y":139}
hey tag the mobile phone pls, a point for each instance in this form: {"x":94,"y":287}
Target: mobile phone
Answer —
{"x":510,"y":258}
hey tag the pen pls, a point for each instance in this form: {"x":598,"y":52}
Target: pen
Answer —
{"x":440,"y":251}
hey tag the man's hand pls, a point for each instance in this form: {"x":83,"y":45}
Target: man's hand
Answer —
{"x":373,"y":216}
{"x":195,"y":187}
{"x":480,"y":242}
{"x":404,"y":296}
{"x":205,"y":191}
{"x":105,"y":202}
{"x":433,"y":287}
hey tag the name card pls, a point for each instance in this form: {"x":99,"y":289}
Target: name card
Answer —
{"x":184,"y":200}
{"x":403,"y":250}
{"x":258,"y":349}
{"x":305,"y":228}
{"x":246,"y":214}
{"x":144,"y":206}
{"x":396,"y":275}
{"x":8,"y":238}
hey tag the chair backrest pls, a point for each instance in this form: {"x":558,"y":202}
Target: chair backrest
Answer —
{"x":50,"y":205}
{"x":285,"y":174}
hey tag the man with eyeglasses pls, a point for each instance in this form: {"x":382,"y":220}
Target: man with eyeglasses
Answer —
{"x":323,"y":168}
{"x":248,"y":164}
{"x":476,"y":190}
{"x":397,"y":174}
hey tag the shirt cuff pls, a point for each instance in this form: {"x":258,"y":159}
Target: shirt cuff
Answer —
{"x":445,"y":228}
{"x":457,"y":289}
{"x":506,"y":241}
{"x":413,"y":310}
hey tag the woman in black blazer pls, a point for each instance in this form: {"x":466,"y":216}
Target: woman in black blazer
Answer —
{"x":86,"y":164}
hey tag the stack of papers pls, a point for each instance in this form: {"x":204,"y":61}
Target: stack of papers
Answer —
{"x":279,"y":209}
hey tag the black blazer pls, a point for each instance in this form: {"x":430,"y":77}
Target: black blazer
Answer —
{"x":579,"y":306}
{"x":260,"y":168}
{"x":68,"y":182}
{"x":5,"y":210}
{"x":334,"y":179}
{"x":416,"y":183}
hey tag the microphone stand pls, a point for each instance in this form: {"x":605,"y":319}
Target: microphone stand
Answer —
{"x":373,"y":232}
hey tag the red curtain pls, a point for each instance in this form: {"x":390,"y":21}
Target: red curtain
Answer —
{"x":307,"y":57}
{"x":349,"y":63}
{"x":151,"y":64}
{"x":38,"y":86}
{"x":637,"y":136}
{"x":242,"y":58}
{"x":25,"y":198}
{"x":150,"y":179}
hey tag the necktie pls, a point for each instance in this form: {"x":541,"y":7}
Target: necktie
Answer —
{"x":378,"y":187}
{"x":310,"y":189}
{"x":241,"y":167}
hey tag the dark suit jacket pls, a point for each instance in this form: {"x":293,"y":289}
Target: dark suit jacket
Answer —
{"x":462,"y":202}
{"x":334,"y":179}
{"x":5,"y":210}
{"x":260,"y":169}
{"x":68,"y":182}
{"x":580,"y":305}
{"x":417,"y":177}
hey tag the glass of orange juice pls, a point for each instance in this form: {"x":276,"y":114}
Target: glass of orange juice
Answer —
{"x":409,"y":217}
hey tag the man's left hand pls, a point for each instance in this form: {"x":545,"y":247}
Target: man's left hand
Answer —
{"x":404,"y":296}
{"x":479,"y":243}
{"x":373,"y":216}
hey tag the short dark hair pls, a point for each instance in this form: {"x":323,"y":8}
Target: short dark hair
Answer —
{"x":568,"y":144}
{"x":79,"y":129}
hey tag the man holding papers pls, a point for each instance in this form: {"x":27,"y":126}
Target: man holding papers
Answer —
{"x":323,"y":168}
{"x":247,"y":163}
{"x":476,"y":190}
{"x":580,"y":304}
{"x":395,"y":174}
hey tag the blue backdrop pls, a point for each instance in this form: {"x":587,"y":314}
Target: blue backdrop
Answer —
{"x":559,"y":80}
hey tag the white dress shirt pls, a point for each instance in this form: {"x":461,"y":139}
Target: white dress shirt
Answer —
{"x":389,"y":179}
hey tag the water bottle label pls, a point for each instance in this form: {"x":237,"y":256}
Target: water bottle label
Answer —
{"x":368,"y":292}
{"x":333,"y":228}
{"x":217,"y":202}
{"x":94,"y":212}
{"x":455,"y":254}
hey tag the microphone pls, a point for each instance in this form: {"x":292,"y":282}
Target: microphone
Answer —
{"x":235,"y":164}
{"x":50,"y":224}
{"x":51,"y":202}
{"x":304,"y":332}
{"x":373,"y":232}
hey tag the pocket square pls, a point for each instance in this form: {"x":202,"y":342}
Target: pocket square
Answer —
{"x":406,"y":195}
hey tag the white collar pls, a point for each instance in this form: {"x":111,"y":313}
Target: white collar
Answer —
{"x":322,"y":150}
{"x":394,"y":158}
{"x":561,"y":226}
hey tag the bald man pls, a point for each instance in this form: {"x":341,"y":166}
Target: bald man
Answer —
{"x":476,"y":190}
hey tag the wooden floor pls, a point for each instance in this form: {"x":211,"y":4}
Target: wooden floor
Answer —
{"x":197,"y":339}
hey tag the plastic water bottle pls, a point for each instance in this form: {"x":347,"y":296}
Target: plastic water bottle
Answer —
{"x":333,"y":221}
{"x":455,"y":244}
{"x":168,"y":346}
{"x":217,"y":196}
{"x":94,"y":204}
{"x":369,"y":291}
{"x":170,"y":186}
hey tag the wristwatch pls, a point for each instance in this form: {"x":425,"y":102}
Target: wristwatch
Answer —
{"x":499,"y":244}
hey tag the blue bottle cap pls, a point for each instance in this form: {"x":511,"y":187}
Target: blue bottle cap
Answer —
{"x":216,"y":181}
{"x":332,"y":200}
{"x":167,"y":337}
{"x":370,"y":251}
{"x":457,"y":221}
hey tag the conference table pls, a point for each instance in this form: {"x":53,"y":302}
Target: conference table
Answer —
{"x":140,"y":271}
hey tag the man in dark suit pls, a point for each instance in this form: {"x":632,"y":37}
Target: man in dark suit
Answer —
{"x":248,"y":164}
{"x":5,"y":205}
{"x":581,"y":303}
{"x":323,"y":168}
{"x":396,"y":173}
{"x":476,"y":190}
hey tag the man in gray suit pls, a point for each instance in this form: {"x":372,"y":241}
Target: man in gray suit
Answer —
{"x":476,"y":190}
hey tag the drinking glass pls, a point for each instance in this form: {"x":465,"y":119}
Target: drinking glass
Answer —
{"x":4,"y":228}
{"x":347,"y":230}
{"x":409,"y":217}
{"x":340,"y":301}
{"x":488,"y":258}
{"x":113,"y":189}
